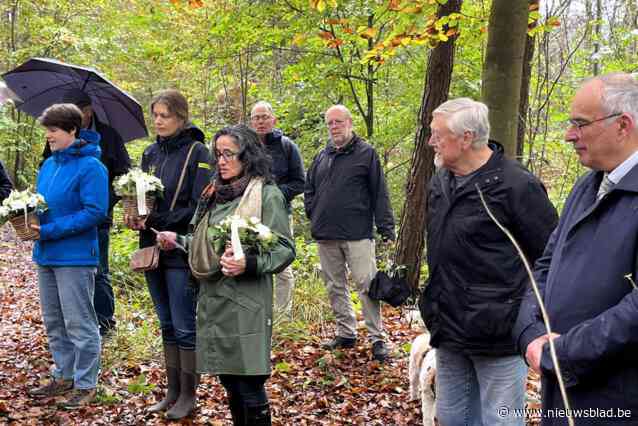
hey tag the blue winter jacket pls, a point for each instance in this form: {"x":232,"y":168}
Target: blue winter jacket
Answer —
{"x":74,"y":184}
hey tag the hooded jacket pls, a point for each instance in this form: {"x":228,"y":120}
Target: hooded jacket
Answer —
{"x":287,"y":165}
{"x":113,"y":155}
{"x":476,"y":278}
{"x":74,"y":184}
{"x":165,"y":159}
{"x":346,"y":193}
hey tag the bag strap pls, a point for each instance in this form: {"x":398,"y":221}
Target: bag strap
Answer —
{"x":181,"y":177}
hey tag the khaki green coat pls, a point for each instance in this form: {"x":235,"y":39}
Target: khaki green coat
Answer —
{"x":234,"y":314}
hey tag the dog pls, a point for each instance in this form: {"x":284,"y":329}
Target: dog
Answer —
{"x":422,"y":373}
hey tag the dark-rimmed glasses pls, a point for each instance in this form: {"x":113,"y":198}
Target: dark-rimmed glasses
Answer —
{"x":226,"y":154}
{"x":580,"y":123}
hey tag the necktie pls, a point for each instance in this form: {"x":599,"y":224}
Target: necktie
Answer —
{"x":605,"y":186}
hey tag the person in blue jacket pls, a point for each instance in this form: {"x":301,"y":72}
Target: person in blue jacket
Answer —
{"x":74,"y":184}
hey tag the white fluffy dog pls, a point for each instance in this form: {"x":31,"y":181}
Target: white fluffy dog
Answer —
{"x":422,"y":372}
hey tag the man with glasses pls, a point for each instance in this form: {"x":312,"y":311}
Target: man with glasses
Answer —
{"x":345,"y":195}
{"x":587,"y":275}
{"x":289,"y":176}
{"x":477,"y":279}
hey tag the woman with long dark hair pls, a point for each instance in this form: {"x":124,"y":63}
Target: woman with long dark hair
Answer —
{"x":234,"y":315}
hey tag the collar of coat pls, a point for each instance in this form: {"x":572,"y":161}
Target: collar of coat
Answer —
{"x":184,"y":137}
{"x":87,"y":145}
{"x":345,"y":149}
{"x":628,"y":183}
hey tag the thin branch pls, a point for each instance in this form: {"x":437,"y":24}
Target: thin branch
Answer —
{"x":539,"y":299}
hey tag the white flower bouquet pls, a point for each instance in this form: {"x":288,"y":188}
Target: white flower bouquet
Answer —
{"x":244,"y":235}
{"x":138,"y":191}
{"x":21,"y":209}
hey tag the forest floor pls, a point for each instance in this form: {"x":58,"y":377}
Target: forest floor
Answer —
{"x":308,"y":387}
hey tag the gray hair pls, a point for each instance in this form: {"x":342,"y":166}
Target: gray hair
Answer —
{"x":341,"y":108}
{"x":465,"y":114}
{"x":264,"y":104}
{"x":620,"y":94}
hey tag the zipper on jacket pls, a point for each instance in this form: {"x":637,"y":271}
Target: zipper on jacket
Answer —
{"x":59,"y":166}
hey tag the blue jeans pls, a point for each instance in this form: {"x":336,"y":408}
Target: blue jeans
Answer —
{"x":66,"y":300}
{"x":175,"y":304}
{"x":478,"y":390}
{"x":103,"y":299}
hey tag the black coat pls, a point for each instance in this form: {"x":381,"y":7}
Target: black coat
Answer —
{"x":287,"y":166}
{"x":165,"y":159}
{"x":477,"y":279}
{"x":114,"y":157}
{"x":346,"y":193}
{"x":5,"y":184}
{"x":591,"y":303}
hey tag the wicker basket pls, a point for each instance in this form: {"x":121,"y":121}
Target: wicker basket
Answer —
{"x":130,"y":205}
{"x":23,"y":230}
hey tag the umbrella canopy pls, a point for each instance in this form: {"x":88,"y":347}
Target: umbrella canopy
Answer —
{"x":42,"y":82}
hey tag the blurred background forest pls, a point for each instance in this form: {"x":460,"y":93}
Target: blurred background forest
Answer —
{"x":303,"y":56}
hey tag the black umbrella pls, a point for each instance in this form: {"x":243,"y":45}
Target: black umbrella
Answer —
{"x":42,"y":82}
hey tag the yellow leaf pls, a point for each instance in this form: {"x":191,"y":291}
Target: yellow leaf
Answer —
{"x":368,"y":33}
{"x":298,"y":39}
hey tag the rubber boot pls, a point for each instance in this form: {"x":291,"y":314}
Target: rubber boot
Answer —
{"x":258,"y":415}
{"x":189,"y":379}
{"x":171,"y":360}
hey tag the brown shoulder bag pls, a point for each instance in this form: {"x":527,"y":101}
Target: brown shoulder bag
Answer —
{"x":147,"y":258}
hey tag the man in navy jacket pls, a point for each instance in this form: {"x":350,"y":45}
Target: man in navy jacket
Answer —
{"x":290,"y":177}
{"x":588,"y":271}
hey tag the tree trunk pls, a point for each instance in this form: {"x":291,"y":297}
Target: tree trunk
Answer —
{"x":524,"y":96}
{"x":503,"y":68}
{"x":435,"y":92}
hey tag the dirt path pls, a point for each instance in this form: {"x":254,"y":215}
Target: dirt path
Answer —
{"x":308,"y":386}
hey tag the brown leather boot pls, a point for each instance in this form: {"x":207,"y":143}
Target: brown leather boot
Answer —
{"x":189,"y":379}
{"x":171,"y":359}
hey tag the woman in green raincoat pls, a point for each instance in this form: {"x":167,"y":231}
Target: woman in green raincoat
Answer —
{"x":235,"y":305}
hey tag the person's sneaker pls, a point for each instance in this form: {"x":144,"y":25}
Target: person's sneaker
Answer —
{"x":340,"y":343}
{"x":79,"y":398}
{"x":53,"y":387}
{"x":379,"y":351}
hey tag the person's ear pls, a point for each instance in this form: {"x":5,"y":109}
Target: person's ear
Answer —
{"x":626,"y":124}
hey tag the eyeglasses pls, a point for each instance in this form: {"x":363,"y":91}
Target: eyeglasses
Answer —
{"x":335,"y":123}
{"x":226,"y":154}
{"x":261,"y":117}
{"x":579,"y":124}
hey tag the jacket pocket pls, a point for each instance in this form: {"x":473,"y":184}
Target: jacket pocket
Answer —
{"x":490,"y":311}
{"x":241,"y":316}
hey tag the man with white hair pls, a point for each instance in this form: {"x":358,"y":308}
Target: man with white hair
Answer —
{"x":345,"y":195}
{"x":289,"y":176}
{"x":587,"y":275}
{"x":477,"y":279}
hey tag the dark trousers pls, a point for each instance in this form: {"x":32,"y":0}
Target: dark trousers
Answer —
{"x":103,"y":298}
{"x":175,"y":303}
{"x":248,"y":391}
